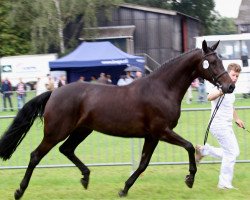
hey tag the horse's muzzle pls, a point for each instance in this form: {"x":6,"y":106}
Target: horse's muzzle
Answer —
{"x":229,"y":89}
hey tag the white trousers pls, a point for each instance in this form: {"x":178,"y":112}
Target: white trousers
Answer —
{"x":227,"y":152}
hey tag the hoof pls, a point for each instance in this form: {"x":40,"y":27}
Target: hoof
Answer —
{"x":122,"y":193}
{"x":85,"y":182}
{"x":189,"y":181}
{"x":18,"y":194}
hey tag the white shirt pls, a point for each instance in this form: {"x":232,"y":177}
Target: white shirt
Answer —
{"x":121,"y":82}
{"x":125,"y":81}
{"x":224,"y":115}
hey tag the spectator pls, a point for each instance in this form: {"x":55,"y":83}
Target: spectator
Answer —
{"x":21,"y":94}
{"x":108,"y":77}
{"x":6,"y":89}
{"x":102,"y":79}
{"x":128,"y":78}
{"x":62,"y":81}
{"x":122,"y":81}
{"x":81,"y":79}
{"x":50,"y":84}
{"x":93,"y":79}
{"x":138,"y":75}
{"x":55,"y":81}
{"x":189,"y":94}
{"x":201,"y":91}
{"x":194,"y":85}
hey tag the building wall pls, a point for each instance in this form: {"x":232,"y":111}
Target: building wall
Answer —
{"x":194,"y":30}
{"x":243,"y":20}
{"x":156,"y":34}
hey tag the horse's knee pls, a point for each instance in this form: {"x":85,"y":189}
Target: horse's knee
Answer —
{"x":65,"y":151}
{"x":189,"y":147}
{"x":34,"y":159}
{"x":142,"y":167}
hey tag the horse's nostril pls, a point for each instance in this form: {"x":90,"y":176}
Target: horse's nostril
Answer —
{"x":231,"y":88}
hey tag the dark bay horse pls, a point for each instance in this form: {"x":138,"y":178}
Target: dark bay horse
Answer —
{"x":147,"y":108}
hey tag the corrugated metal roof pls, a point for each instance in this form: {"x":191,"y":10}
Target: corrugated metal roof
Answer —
{"x":150,"y":9}
{"x":244,"y":13}
{"x":155,"y":10}
{"x":109,"y":32}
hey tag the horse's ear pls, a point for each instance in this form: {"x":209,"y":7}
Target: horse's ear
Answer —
{"x":215,"y":45}
{"x":204,"y":46}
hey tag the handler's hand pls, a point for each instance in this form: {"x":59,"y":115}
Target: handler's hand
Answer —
{"x":240,"y":123}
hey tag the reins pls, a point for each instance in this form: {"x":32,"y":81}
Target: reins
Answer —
{"x":212,"y":117}
{"x":215,"y":80}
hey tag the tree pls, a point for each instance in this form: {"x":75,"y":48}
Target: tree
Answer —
{"x":203,"y":10}
{"x":224,"y":25}
{"x":12,"y":37}
{"x":55,"y":25}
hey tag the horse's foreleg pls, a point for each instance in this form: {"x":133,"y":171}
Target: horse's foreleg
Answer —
{"x":171,"y":137}
{"x":68,"y":148}
{"x":35,"y":158}
{"x":148,"y":149}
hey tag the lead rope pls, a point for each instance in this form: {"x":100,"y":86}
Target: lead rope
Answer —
{"x":212,"y":117}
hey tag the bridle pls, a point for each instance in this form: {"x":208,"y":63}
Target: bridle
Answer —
{"x":214,"y":77}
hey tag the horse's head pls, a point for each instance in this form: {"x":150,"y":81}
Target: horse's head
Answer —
{"x":212,"y":69}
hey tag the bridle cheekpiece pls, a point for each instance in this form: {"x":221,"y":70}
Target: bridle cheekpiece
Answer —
{"x":206,"y":65}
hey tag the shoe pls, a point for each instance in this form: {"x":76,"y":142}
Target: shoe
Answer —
{"x":198,"y":154}
{"x":221,"y":187}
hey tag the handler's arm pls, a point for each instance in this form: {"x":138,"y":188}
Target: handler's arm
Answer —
{"x":214,"y":94}
{"x":238,"y":121}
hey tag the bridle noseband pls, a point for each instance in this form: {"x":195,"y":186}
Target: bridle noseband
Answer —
{"x":214,"y":77}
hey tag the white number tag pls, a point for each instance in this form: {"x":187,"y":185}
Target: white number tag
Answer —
{"x":205,"y":64}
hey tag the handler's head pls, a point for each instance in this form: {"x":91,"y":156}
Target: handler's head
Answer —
{"x":234,"y":70}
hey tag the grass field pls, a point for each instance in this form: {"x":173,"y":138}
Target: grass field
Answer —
{"x":157,"y":182}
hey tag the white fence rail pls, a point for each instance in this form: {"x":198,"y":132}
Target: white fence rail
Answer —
{"x":103,"y":150}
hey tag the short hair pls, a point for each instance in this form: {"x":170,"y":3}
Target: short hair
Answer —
{"x":234,"y":66}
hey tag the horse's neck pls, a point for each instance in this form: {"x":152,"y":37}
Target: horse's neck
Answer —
{"x":178,"y":76}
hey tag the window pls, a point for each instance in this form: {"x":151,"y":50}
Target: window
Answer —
{"x":245,"y":48}
{"x":6,"y":68}
{"x":228,"y":49}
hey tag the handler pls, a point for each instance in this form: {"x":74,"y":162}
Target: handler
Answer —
{"x":221,"y":129}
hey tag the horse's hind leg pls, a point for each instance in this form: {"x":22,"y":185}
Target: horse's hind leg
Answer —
{"x":147,"y":151}
{"x":35,"y":158}
{"x":68,"y":148}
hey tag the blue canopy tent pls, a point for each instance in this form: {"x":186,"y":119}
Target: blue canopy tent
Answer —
{"x":92,"y":58}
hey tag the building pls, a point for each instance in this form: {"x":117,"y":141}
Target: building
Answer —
{"x":243,"y":20}
{"x":158,"y":34}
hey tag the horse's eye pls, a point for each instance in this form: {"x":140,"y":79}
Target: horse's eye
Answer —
{"x":213,"y":62}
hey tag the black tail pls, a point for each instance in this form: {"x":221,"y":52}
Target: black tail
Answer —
{"x":14,"y":135}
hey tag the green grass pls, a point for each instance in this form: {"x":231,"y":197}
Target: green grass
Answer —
{"x":157,"y":182}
